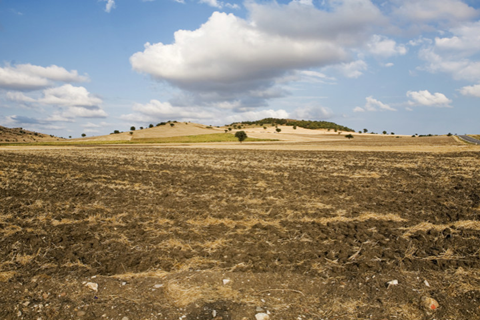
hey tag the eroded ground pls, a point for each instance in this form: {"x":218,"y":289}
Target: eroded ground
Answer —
{"x":301,"y":234}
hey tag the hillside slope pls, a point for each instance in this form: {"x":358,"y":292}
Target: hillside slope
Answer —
{"x":20,"y":135}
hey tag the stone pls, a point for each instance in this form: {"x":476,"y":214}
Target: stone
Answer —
{"x":430,"y":303}
{"x":92,"y":286}
{"x":262,"y":316}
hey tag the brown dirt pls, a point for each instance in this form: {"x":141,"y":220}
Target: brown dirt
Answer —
{"x":302,"y":234}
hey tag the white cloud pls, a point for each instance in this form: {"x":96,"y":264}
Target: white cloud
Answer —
{"x":155,"y":110}
{"x":31,"y":77}
{"x":312,"y":113}
{"x":110,"y":5}
{"x":212,"y":3}
{"x":425,"y":98}
{"x":232,"y":59}
{"x":256,"y":115}
{"x":352,"y":69}
{"x":435,"y":10}
{"x":471,"y":91}
{"x":372,"y":104}
{"x":384,"y":47}
{"x":18,"y":97}
{"x":358,"y":109}
{"x":388,"y":65}
{"x":69,"y":96}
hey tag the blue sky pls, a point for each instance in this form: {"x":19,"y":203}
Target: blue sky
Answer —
{"x":69,"y":67}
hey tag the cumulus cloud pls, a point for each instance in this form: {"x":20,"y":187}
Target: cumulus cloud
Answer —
{"x":31,"y":77}
{"x":473,"y":91}
{"x":18,"y":97}
{"x":385,"y":47}
{"x":425,"y":98}
{"x":212,"y":3}
{"x":435,"y":10}
{"x":69,"y":96}
{"x":312,"y":113}
{"x":110,"y":5}
{"x":256,"y":115}
{"x":373,"y":105}
{"x":236,"y":60}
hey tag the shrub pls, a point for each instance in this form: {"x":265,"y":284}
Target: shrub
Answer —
{"x":240,"y":135}
{"x":278,"y":129}
{"x":349,"y":136}
{"x":132,"y":128}
{"x":172,"y":124}
{"x":84,"y":135}
{"x":449,"y":134}
{"x":294,"y":127}
{"x":150,"y":125}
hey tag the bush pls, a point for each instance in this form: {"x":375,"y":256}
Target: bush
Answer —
{"x":349,"y":136}
{"x":240,"y":135}
{"x":294,"y":127}
{"x":84,"y":135}
{"x":172,"y":124}
{"x":278,"y":129}
{"x":150,"y":125}
{"x":132,"y":128}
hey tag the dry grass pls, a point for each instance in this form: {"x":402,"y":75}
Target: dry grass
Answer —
{"x":158,"y":274}
{"x":183,"y":295}
{"x":5,"y":276}
{"x":360,"y":218}
{"x":426,"y":226}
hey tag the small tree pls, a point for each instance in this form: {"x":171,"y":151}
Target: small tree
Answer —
{"x":365,"y":130}
{"x":226,"y":130}
{"x":294,"y":127}
{"x":70,"y":137}
{"x":384,"y":132}
{"x":449,"y":134}
{"x":392,"y":133}
{"x":172,"y":124}
{"x":265,"y":128}
{"x":116,"y":131}
{"x":349,"y":136}
{"x":141,"y":128}
{"x":278,"y":129}
{"x":240,"y":135}
{"x":132,"y":128}
{"x":229,"y":129}
{"x":84,"y":135}
{"x":150,"y":125}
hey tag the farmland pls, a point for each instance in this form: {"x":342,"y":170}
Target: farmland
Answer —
{"x":203,"y":233}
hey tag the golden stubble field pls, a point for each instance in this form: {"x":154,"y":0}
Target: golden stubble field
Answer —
{"x":226,"y":231}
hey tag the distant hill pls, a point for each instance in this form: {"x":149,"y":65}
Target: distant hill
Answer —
{"x":20,"y":135}
{"x":307,"y":124}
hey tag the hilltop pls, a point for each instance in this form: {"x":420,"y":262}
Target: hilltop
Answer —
{"x":19,"y":135}
{"x":306,"y":124}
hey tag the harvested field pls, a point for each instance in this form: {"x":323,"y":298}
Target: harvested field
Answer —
{"x":191,"y":233}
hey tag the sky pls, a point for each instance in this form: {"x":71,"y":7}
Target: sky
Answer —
{"x":69,"y":67}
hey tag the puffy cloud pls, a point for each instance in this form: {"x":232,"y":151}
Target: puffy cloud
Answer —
{"x":471,"y":91}
{"x":110,"y":5}
{"x":384,"y":47}
{"x":31,"y":77}
{"x":312,"y":113}
{"x":69,"y":96}
{"x":425,"y":98}
{"x":256,"y":115}
{"x":435,"y":10}
{"x":236,"y":60}
{"x":352,"y":69}
{"x":19,"y":97}
{"x":344,"y":22}
{"x":373,"y":105}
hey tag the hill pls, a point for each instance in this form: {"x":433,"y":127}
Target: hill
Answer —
{"x":20,"y":135}
{"x":307,"y":124}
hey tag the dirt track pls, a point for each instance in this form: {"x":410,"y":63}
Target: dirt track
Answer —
{"x":304,"y":235}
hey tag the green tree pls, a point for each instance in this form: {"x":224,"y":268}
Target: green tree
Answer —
{"x":240,"y":135}
{"x":349,"y":136}
{"x":84,"y":135}
{"x":229,"y":129}
{"x":150,"y":125}
{"x":365,"y":130}
{"x":384,"y":132}
{"x":294,"y":127}
{"x":226,"y":130}
{"x":116,"y":131}
{"x":132,"y":128}
{"x":278,"y":129}
{"x":172,"y":124}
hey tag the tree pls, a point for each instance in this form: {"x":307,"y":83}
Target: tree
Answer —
{"x":132,"y":128}
{"x":116,"y":131}
{"x":349,"y":136}
{"x":141,"y":128}
{"x":264,"y":128}
{"x":384,"y":132}
{"x":240,"y":135}
{"x":229,"y":129}
{"x":84,"y":135}
{"x":278,"y":129}
{"x":70,"y":137}
{"x":365,"y":130}
{"x":150,"y":125}
{"x":392,"y":133}
{"x":359,"y":131}
{"x":172,"y":124}
{"x":294,"y":127}
{"x":226,"y":130}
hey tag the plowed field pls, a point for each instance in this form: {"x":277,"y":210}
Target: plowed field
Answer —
{"x":216,"y":234}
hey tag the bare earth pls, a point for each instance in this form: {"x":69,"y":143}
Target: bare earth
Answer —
{"x":314,"y":228}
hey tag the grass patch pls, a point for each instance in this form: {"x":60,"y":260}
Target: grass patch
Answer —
{"x":215,"y":137}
